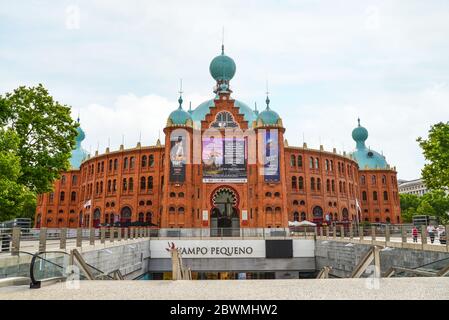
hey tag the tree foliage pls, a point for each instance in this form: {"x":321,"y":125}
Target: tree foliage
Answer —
{"x":37,"y":136}
{"x":436,"y":151}
{"x":433,"y":203}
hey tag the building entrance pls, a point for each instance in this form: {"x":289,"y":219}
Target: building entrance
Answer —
{"x":225,"y":219}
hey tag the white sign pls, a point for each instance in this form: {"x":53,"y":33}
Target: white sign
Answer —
{"x":245,"y":215}
{"x":194,"y":249}
{"x":303,"y":248}
{"x":205,"y":215}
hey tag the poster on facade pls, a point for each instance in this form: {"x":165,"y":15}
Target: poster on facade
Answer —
{"x":271,"y":156}
{"x":178,"y":158}
{"x":224,"y":160}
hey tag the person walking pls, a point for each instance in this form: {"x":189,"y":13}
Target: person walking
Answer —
{"x":415,"y":234}
{"x":431,"y":233}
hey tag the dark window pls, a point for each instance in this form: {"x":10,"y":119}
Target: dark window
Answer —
{"x":300,"y":161}
{"x":375,"y":195}
{"x":301,"y":183}
{"x":143,"y":183}
{"x":144,"y":161}
{"x":125,"y":163}
{"x":385,"y":195}
{"x":73,"y":196}
{"x":292,"y":161}
{"x":62,"y":196}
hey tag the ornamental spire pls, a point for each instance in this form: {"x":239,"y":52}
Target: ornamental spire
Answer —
{"x":180,"y":95}
{"x":268,"y":98}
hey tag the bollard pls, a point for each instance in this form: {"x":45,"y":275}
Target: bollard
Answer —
{"x":111,"y":234}
{"x":334,"y":231}
{"x":423,"y":235}
{"x":102,"y":235}
{"x":92,"y":236}
{"x":63,"y":239}
{"x":42,"y":239}
{"x":351,"y":231}
{"x":126,"y":234}
{"x":15,"y":247}
{"x":321,"y":232}
{"x":387,"y":233}
{"x":361,"y":233}
{"x":119,"y":234}
{"x":373,"y":233}
{"x":403,"y":234}
{"x":342,"y":232}
{"x":79,"y":237}
{"x":327,"y":232}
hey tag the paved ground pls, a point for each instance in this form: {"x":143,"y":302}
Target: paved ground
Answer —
{"x":342,"y":289}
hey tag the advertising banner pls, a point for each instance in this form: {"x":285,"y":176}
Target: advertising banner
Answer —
{"x":224,"y":160}
{"x":271,"y":156}
{"x":178,"y":158}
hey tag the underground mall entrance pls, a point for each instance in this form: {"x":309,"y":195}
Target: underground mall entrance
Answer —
{"x":225,"y":219}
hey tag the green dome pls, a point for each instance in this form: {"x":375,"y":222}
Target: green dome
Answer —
{"x":222,"y":67}
{"x":80,"y":136}
{"x":360,"y":134}
{"x":365,"y":157}
{"x":268,"y":116}
{"x":179,"y":116}
{"x":199,"y":114}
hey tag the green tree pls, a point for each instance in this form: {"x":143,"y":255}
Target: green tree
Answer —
{"x":46,"y":134}
{"x":425,"y":209}
{"x":14,"y":197}
{"x":436,"y":152}
{"x":439,"y":201}
{"x":409,"y":201}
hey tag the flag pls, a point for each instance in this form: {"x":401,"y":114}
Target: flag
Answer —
{"x":87,"y":204}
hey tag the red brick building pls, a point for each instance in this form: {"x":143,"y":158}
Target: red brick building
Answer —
{"x":223,"y":165}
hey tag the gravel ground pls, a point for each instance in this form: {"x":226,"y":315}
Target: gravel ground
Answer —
{"x":307,"y":289}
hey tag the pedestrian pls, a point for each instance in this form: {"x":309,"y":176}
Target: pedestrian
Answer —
{"x":431,"y":233}
{"x":415,"y":234}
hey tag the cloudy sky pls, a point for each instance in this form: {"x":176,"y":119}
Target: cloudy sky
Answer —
{"x":118,"y":63}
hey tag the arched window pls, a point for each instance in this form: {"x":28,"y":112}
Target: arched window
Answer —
{"x":115,"y":164}
{"x":301,"y":183}
{"x":373,"y":179}
{"x":125,"y":184}
{"x":141,"y":203}
{"x":292,"y":161}
{"x":149,"y":217}
{"x":303,"y":216}
{"x":109,"y":185}
{"x":384,"y":180}
{"x":144,"y":161}
{"x":317,"y":163}
{"x":362,"y":180}
{"x":375,"y":195}
{"x":294,"y":185}
{"x":151,"y":161}
{"x":181,"y":210}
{"x":150,"y":183}
{"x":340,"y":187}
{"x":332,"y":165}
{"x":364,"y":196}
{"x":125,"y":163}
{"x":385,"y":196}
{"x":143,"y":183}
{"x":63,"y":180}
{"x":326,"y":165}
{"x":268,"y":194}
{"x":62,"y":196}
{"x":312,"y":183}
{"x":318,"y":184}
{"x":131,"y":184}
{"x":172,"y":195}
{"x":388,"y":220}
{"x":132,"y":162}
{"x":268,"y":210}
{"x":101,"y":187}
{"x":149,"y":203}
{"x":141,"y":217}
{"x":277,"y":195}
{"x":171,"y":210}
{"x":110,"y":165}
{"x":295,"y":202}
{"x":181,"y":195}
{"x":302,"y":203}
{"x":296,"y":216}
{"x":73,"y":196}
{"x":311,"y":163}
{"x":328,"y":185}
{"x":300,"y":161}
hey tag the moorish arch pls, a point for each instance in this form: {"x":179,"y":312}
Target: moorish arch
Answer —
{"x":125,"y":216}
{"x":317,"y":214}
{"x":225,"y":219}
{"x":96,"y":218}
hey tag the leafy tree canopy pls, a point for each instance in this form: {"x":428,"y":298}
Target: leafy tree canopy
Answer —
{"x":436,"y":152}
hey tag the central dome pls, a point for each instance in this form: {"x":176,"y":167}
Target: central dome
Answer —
{"x":222,"y":67}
